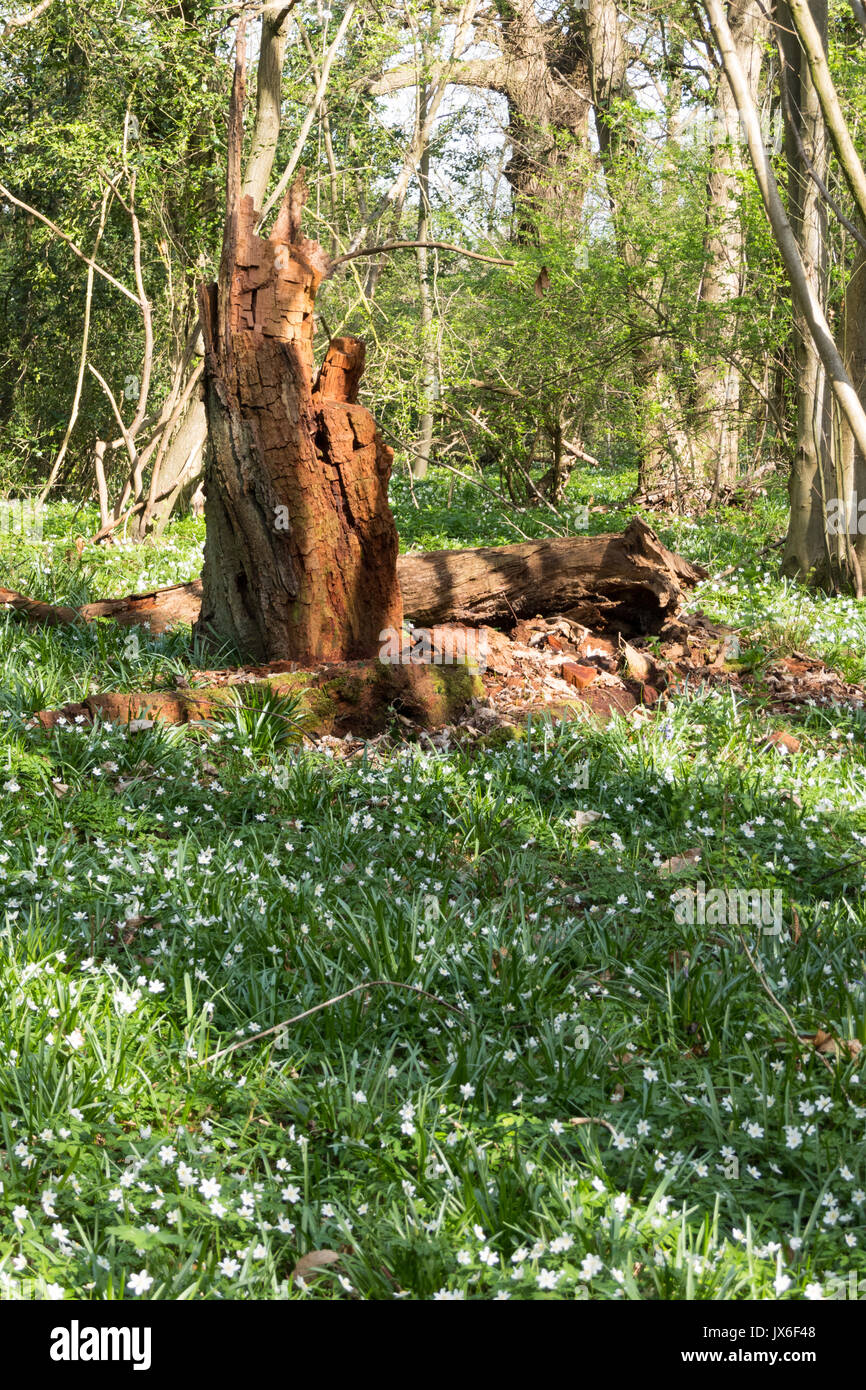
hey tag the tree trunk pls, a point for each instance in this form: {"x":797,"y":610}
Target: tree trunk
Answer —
{"x":806,"y":545}
{"x":301,"y":550}
{"x":421,"y":461}
{"x":630,"y":580}
{"x":852,"y":460}
{"x":717,"y":394}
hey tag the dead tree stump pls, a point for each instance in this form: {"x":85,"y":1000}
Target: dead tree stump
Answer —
{"x":301,"y":551}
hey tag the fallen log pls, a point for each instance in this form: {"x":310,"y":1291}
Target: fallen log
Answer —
{"x":160,"y":609}
{"x":629,"y":582}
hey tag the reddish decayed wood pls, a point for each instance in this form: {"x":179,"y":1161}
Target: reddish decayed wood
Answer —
{"x":301,"y":551}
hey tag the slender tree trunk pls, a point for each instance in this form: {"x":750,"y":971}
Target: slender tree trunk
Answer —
{"x":717,"y":393}
{"x":421,"y":460}
{"x":806,"y":543}
{"x":852,"y":459}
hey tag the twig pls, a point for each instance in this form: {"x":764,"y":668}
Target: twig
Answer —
{"x":368,"y":984}
{"x":593,"y":1120}
{"x":82,"y":255}
{"x":430,"y":245}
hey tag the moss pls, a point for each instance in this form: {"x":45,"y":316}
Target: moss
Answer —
{"x":357,"y":697}
{"x":502,"y":736}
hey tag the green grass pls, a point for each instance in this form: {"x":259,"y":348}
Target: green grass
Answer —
{"x":168,"y":893}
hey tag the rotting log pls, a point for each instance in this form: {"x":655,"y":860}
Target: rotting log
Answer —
{"x":628,"y":581}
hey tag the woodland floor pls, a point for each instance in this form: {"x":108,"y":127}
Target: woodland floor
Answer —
{"x":599,"y":1102}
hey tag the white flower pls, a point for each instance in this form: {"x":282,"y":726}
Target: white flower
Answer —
{"x":75,"y":1039}
{"x":590,"y":1266}
{"x":141,"y":1282}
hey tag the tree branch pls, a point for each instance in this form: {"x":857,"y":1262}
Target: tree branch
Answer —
{"x":18,"y":21}
{"x":82,"y":255}
{"x":493,"y":74}
{"x":430,"y":245}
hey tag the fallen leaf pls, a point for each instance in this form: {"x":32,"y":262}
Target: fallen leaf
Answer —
{"x":826,"y":1044}
{"x":639,"y":667}
{"x":680,"y":862}
{"x":784,"y":743}
{"x":829,"y":1046}
{"x":314,"y":1262}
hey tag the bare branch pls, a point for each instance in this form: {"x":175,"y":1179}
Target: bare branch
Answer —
{"x":338,"y":998}
{"x":431,"y":245}
{"x":19,"y":21}
{"x":82,"y":255}
{"x":82,"y":362}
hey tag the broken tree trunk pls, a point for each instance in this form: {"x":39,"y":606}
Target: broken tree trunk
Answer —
{"x":629,"y":581}
{"x":301,"y":549}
